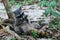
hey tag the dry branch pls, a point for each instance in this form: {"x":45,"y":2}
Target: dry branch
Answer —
{"x":11,"y":32}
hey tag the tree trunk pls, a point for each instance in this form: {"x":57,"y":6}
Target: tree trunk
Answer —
{"x":6,"y":4}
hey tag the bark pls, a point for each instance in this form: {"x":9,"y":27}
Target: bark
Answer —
{"x":6,"y":4}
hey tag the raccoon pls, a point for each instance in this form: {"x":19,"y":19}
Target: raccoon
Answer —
{"x":16,"y":19}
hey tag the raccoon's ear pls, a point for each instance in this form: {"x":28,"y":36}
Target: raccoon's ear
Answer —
{"x":22,"y":14}
{"x":20,"y":8}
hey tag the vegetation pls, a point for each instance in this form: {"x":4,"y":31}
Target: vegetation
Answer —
{"x":13,"y":39}
{"x":34,"y":33}
{"x":20,"y":2}
{"x":50,"y":11}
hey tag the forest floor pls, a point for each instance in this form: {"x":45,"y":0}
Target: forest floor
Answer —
{"x":34,"y":12}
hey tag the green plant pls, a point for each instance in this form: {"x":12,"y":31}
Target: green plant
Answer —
{"x":55,"y":23}
{"x":51,"y":6}
{"x":12,"y":2}
{"x":21,"y":2}
{"x":51,"y":11}
{"x":13,"y":39}
{"x":34,"y":34}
